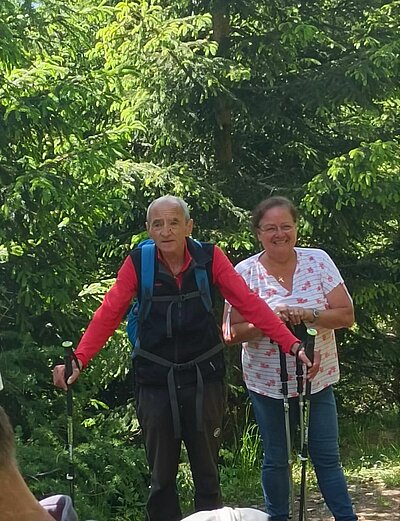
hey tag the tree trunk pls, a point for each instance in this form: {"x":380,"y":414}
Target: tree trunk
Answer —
{"x":223,"y":130}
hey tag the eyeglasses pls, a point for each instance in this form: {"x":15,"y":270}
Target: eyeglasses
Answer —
{"x":270,"y":230}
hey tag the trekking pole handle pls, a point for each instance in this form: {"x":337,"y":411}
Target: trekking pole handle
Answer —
{"x":309,"y":350}
{"x":310,"y":343}
{"x":68,"y":357}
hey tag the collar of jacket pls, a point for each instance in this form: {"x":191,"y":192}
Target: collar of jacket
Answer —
{"x":200,"y":256}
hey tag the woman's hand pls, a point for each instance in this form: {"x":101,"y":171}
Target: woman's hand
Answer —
{"x":337,"y":313}
{"x":294,"y":315}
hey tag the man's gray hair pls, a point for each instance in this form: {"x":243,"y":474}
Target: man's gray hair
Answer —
{"x":170,"y":199}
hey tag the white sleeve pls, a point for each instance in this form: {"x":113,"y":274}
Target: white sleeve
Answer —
{"x":330,"y":275}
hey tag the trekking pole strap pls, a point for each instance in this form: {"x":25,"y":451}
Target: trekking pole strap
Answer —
{"x":284,"y":373}
{"x":299,"y":375}
{"x":309,"y":350}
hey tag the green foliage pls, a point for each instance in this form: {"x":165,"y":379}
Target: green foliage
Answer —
{"x":109,"y":460}
{"x":111,"y":475}
{"x":55,"y":146}
{"x":104,"y":106}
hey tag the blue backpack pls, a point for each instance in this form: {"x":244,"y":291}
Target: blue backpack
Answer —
{"x":141,"y":307}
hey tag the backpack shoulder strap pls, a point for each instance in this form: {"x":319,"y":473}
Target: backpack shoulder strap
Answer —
{"x":203,"y":284}
{"x":146,"y":278}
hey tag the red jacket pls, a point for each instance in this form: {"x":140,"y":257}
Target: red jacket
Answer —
{"x":231,"y":285}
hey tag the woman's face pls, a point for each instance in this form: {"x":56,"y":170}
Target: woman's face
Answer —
{"x":277,"y":231}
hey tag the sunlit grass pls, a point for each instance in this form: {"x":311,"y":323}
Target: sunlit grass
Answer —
{"x":370,"y":450}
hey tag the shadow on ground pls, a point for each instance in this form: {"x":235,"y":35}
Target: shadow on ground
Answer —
{"x":372,"y":502}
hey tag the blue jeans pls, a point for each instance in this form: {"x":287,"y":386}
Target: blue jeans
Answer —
{"x":323,"y":449}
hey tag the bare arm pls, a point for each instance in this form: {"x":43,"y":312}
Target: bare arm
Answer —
{"x":236,"y":330}
{"x":251,"y":306}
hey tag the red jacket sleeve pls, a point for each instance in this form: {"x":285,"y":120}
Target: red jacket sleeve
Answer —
{"x":235,"y":290}
{"x":110,"y":314}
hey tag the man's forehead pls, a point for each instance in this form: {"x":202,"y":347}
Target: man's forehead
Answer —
{"x":166,"y":209}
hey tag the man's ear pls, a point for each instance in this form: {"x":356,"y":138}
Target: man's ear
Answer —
{"x":189,"y":227}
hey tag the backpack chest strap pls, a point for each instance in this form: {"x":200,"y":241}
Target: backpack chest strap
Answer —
{"x":174,"y":299}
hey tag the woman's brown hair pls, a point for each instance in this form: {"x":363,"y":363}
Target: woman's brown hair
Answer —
{"x":267,"y":204}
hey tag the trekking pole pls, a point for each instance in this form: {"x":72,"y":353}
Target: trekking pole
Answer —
{"x":69,"y":356}
{"x":300,"y":392}
{"x":285,"y":393}
{"x":300,"y":331}
{"x":309,"y":350}
{"x":70,"y":476}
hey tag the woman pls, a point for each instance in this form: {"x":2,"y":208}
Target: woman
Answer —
{"x":300,"y":284}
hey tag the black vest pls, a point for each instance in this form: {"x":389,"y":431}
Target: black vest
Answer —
{"x":194,"y":329}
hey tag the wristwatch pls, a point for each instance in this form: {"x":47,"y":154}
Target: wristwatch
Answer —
{"x":316,"y":313}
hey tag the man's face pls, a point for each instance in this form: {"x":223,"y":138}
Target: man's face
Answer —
{"x":168,"y":227}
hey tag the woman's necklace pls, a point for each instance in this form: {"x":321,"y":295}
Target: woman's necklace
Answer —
{"x":278,"y":276}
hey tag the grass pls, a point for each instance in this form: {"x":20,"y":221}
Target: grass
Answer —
{"x":370,"y":449}
{"x":240,"y":473}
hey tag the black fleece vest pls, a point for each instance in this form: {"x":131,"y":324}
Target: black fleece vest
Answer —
{"x":194,"y":329}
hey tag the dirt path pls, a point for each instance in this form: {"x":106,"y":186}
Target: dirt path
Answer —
{"x":372,"y":501}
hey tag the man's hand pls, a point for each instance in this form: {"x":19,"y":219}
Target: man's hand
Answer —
{"x":312,"y":368}
{"x":59,"y":375}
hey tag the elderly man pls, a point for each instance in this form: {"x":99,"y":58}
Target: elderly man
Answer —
{"x":179,"y":368}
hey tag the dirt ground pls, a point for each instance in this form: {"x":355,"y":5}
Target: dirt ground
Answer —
{"x":372,"y":502}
